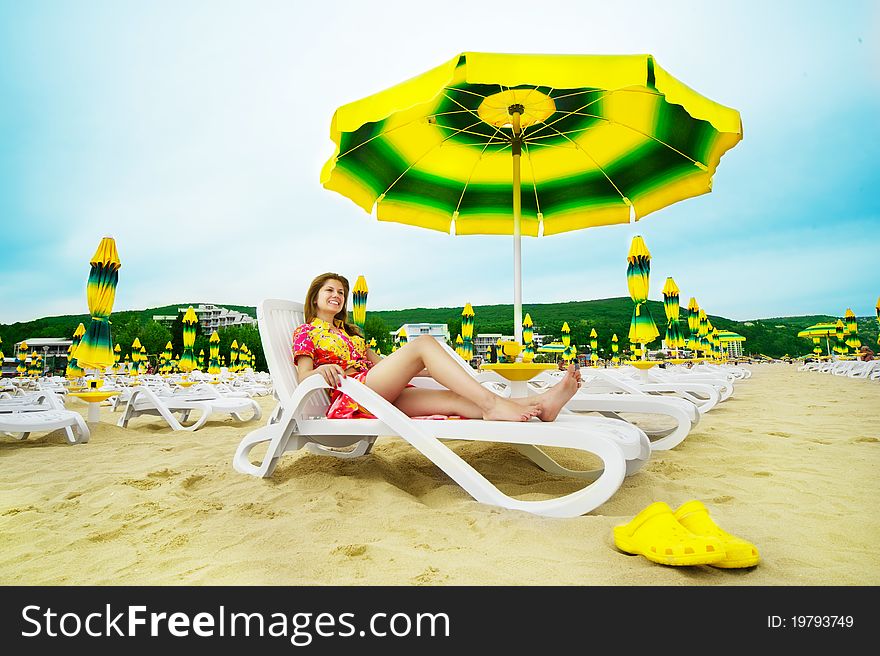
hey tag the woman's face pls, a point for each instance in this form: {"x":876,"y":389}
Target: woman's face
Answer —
{"x":330,"y":299}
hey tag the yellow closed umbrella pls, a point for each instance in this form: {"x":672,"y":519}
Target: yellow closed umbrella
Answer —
{"x":642,"y":329}
{"x":96,"y":350}
{"x":188,"y":360}
{"x":73,"y":370}
{"x":214,"y":354}
{"x":359,"y":304}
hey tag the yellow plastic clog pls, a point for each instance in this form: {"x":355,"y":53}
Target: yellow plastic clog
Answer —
{"x":694,"y":516}
{"x":657,"y":535}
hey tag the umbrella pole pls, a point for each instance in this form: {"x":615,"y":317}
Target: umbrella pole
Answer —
{"x":516,"y":149}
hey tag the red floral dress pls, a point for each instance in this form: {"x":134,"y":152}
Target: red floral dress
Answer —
{"x":324,"y":346}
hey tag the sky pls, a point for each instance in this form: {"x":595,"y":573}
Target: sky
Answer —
{"x":194,"y":132}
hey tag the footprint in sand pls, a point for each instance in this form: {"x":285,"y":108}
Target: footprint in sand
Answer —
{"x":15,"y":511}
{"x":779,"y":434}
{"x":350,"y":550}
{"x":866,"y":440}
{"x":430,"y":576}
{"x":191,"y":481}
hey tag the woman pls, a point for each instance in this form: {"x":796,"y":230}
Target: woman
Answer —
{"x":328,"y":346}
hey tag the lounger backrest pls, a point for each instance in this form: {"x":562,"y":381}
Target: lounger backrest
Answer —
{"x":277,"y":319}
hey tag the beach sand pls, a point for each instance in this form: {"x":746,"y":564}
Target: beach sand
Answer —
{"x":790,"y":463}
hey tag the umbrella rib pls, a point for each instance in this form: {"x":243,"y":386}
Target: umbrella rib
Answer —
{"x":423,"y":156}
{"x":592,"y":159}
{"x":470,"y":175}
{"x":477,"y":116}
{"x":534,"y":178}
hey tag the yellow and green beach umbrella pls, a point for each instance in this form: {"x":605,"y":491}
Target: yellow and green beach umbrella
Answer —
{"x":693,"y":319}
{"x":188,"y":359}
{"x":73,"y":370}
{"x":401,"y":336}
{"x":642,"y":329}
{"x":233,"y":356}
{"x":615,"y":347}
{"x":117,"y":353}
{"x":359,"y":304}
{"x":459,"y":346}
{"x":594,"y":346}
{"x":214,"y":354}
{"x":201,"y":361}
{"x":34,"y":368}
{"x":852,"y":330}
{"x":96,"y":350}
{"x":374,"y":346}
{"x":606,"y":140}
{"x":703,"y":342}
{"x":135,"y":356}
{"x":21,"y":358}
{"x":839,"y":332}
{"x":818,"y":331}
{"x":878,"y":318}
{"x":2,"y":356}
{"x":674,"y":336}
{"x":467,"y":331}
{"x":528,"y":336}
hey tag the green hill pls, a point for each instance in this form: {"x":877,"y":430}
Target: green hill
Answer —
{"x":775,"y":336}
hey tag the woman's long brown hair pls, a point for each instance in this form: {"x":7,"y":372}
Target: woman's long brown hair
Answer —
{"x":311,"y":303}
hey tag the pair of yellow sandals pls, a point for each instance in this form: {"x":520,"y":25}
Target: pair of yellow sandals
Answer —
{"x":687,"y":536}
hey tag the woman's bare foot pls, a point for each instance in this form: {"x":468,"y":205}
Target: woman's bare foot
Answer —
{"x":501,"y":409}
{"x":554,"y":399}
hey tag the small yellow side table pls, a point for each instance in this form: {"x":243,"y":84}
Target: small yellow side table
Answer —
{"x":94,"y":400}
{"x":518,"y":373}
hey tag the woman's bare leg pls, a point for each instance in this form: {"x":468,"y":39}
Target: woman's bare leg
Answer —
{"x":390,"y":377}
{"x":418,"y":401}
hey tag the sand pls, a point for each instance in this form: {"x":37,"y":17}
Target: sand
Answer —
{"x":790,"y":462}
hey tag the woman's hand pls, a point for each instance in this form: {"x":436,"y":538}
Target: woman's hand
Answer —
{"x":332,"y":373}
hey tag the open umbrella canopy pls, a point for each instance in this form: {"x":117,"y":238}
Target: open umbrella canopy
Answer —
{"x":729,"y":336}
{"x":96,"y":350}
{"x":817,"y":330}
{"x":552,"y":347}
{"x":607,"y":139}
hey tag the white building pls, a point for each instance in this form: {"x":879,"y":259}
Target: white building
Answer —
{"x":439,"y":331}
{"x":211,"y":318}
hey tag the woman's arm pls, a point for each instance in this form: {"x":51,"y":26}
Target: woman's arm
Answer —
{"x":305,"y":367}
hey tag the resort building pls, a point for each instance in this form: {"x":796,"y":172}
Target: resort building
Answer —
{"x":439,"y":331}
{"x":53,"y":350}
{"x":211,"y":318}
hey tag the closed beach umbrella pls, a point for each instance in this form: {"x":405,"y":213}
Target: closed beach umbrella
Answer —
{"x":96,"y":350}
{"x":615,"y":347}
{"x":142,"y":359}
{"x":374,"y":346}
{"x":852,"y":331}
{"x":703,"y":334}
{"x":638,"y":273}
{"x":839,"y":331}
{"x":467,"y":332}
{"x":528,"y":336}
{"x":359,"y":304}
{"x":201,"y":361}
{"x":233,"y":356}
{"x":21,"y":358}
{"x":459,"y":346}
{"x":34,"y":368}
{"x":817,"y":346}
{"x":607,"y":139}
{"x":674,"y":336}
{"x":117,"y":353}
{"x":693,"y":308}
{"x":2,"y":357}
{"x":214,"y":354}
{"x":188,"y":359}
{"x":73,"y":370}
{"x":401,"y":336}
{"x":878,"y":318}
{"x":594,"y":346}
